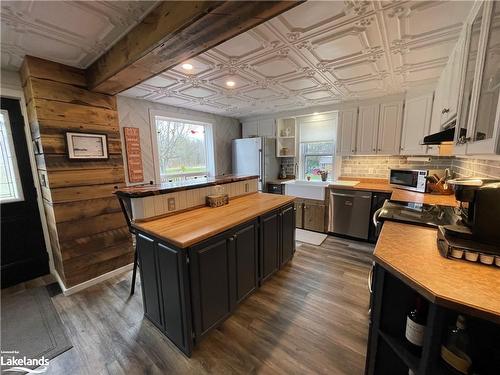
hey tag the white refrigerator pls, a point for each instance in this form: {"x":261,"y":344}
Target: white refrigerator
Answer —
{"x":256,"y":156}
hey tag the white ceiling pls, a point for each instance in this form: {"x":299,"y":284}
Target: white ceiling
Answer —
{"x":318,"y":53}
{"x":70,"y":32}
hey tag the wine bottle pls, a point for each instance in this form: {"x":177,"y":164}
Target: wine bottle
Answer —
{"x":415,"y":325}
{"x":456,"y":349}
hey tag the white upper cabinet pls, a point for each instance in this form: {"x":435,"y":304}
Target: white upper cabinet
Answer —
{"x":416,"y":124}
{"x":346,"y":132}
{"x":250,"y":129}
{"x":259,"y":128}
{"x":366,"y":138}
{"x":389,"y":128}
{"x":479,"y":124}
{"x":446,"y":97}
{"x":267,"y":128}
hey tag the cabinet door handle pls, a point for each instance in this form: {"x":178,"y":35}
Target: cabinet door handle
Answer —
{"x":374,"y":149}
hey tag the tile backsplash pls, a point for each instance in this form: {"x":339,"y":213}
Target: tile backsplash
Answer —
{"x":476,"y":167}
{"x":378,"y":166}
{"x":289,"y":164}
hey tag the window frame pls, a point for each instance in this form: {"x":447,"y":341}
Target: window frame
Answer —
{"x":13,"y":166}
{"x":209,"y":139}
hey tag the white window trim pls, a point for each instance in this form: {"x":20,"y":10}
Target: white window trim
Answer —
{"x":336,"y":163}
{"x":13,"y":161}
{"x":181,"y":117}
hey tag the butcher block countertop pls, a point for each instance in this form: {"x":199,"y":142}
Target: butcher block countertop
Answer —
{"x":381,"y":185}
{"x":411,"y":253}
{"x":190,"y":227}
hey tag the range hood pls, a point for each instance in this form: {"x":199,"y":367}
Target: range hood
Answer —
{"x":446,"y":135}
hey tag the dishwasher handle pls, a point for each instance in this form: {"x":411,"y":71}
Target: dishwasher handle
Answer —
{"x":350,"y":196}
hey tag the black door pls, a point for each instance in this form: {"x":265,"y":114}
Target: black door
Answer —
{"x":270,"y":244}
{"x":245,"y":260}
{"x":287,"y":233}
{"x":24,"y":255}
{"x":211,"y":285}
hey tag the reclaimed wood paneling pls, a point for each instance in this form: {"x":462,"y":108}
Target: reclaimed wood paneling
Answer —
{"x":40,"y":68}
{"x":79,"y":193}
{"x":61,"y":92}
{"x":53,"y":110}
{"x":87,"y":229}
{"x":55,"y":162}
{"x":84,"y":177}
{"x":56,"y":127}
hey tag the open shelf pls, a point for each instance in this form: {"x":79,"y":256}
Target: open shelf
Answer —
{"x":410,"y":359}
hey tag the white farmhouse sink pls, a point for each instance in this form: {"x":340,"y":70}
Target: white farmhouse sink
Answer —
{"x":306,"y":189}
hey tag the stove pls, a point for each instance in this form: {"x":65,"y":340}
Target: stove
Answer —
{"x":428,"y":215}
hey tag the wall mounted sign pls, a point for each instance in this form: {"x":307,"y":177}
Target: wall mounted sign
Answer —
{"x":134,"y":158}
{"x":87,"y":146}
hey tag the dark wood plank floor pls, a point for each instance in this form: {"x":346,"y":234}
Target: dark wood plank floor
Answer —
{"x":309,"y":318}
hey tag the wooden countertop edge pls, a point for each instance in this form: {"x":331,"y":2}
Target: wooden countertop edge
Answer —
{"x":212,"y":233}
{"x":474,"y":310}
{"x":129,"y":192}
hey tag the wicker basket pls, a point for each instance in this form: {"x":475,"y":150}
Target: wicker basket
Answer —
{"x":217,"y":200}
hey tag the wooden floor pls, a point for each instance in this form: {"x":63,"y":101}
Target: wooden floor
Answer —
{"x":310,"y":318}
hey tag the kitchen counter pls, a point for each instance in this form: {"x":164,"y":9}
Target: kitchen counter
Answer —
{"x":187,"y":228}
{"x":400,"y":194}
{"x":170,"y":187}
{"x":411,"y":253}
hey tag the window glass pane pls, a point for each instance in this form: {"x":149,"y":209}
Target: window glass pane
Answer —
{"x":10,"y":184}
{"x":181,"y":150}
{"x":490,"y":85}
{"x":317,"y":157}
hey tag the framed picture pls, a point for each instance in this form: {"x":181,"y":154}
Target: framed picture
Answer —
{"x":87,"y":146}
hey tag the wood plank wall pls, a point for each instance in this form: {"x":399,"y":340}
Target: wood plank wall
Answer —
{"x":88,"y":233}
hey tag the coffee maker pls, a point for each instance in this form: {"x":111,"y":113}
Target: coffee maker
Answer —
{"x":478,"y":229}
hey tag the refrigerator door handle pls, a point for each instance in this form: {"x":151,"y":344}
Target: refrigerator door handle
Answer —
{"x":261,"y":165}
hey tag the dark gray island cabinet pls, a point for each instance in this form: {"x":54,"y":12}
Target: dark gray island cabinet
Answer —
{"x":188,"y":291}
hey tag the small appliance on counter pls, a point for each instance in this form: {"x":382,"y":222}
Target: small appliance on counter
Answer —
{"x":417,"y":179}
{"x":476,"y":236}
{"x":427,"y":215}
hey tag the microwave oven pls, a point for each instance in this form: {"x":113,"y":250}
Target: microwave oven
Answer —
{"x":413,"y":179}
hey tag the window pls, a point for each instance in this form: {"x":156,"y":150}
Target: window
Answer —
{"x":10,"y":183}
{"x":184,"y":149}
{"x":316,"y":157}
{"x":317,"y":140}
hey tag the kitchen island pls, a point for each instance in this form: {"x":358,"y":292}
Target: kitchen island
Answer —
{"x":197,"y":266}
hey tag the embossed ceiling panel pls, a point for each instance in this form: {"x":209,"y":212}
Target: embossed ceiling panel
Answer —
{"x":318,"y":53}
{"x":74,"y":33}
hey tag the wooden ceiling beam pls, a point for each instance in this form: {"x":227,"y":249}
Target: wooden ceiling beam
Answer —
{"x":172,"y":33}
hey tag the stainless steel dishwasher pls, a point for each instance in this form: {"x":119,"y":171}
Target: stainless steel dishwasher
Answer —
{"x":349,"y":213}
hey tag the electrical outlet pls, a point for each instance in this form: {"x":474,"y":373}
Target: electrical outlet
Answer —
{"x":171,"y":204}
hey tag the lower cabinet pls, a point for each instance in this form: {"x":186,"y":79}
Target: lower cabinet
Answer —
{"x":187,"y":292}
{"x":314,"y":216}
{"x":270,"y":244}
{"x":311,"y":215}
{"x":165,"y":289}
{"x":287,"y":234}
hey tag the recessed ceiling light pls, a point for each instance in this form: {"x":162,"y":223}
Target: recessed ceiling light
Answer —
{"x":315,"y":113}
{"x":230,"y":83}
{"x":187,"y":66}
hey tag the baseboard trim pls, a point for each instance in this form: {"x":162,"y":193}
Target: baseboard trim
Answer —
{"x":89,"y":283}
